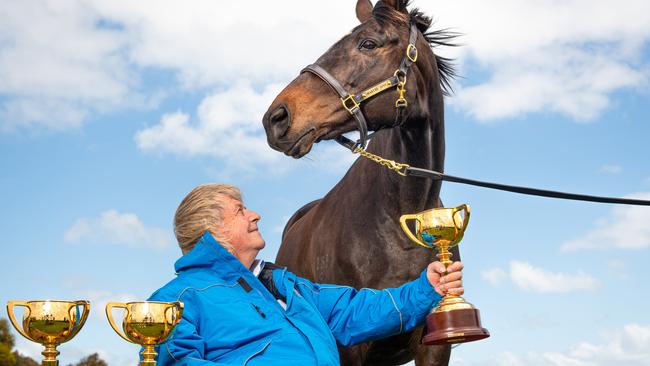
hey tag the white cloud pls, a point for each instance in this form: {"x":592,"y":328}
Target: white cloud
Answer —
{"x":113,"y":227}
{"x":228,"y":127}
{"x":629,"y":346}
{"x":56,"y":65}
{"x":494,"y":276}
{"x":215,"y":42}
{"x":530,"y":278}
{"x":552,"y":78}
{"x":611,"y":169}
{"x":62,"y":61}
{"x":625,"y":228}
{"x":566,"y":57}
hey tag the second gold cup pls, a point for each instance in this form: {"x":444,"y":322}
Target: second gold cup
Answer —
{"x":146,"y":323}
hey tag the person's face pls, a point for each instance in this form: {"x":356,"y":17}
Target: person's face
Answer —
{"x":240,"y":227}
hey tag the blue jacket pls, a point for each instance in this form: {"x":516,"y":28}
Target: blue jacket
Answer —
{"x":230,"y":318}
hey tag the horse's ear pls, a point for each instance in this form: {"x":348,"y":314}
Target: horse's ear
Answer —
{"x":364,"y":10}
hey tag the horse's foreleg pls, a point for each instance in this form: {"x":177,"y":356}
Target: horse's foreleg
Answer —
{"x":430,"y":355}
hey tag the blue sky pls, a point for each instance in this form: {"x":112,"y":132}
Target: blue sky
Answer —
{"x":110,"y":112}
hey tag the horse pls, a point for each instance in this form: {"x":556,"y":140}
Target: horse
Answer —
{"x":352,"y":235}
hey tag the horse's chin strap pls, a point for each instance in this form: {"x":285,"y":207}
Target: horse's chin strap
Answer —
{"x":352,"y":102}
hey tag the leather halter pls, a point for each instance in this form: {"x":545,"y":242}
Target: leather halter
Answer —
{"x":352,"y":102}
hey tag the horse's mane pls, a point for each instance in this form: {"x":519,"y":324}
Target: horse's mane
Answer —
{"x":435,"y":37}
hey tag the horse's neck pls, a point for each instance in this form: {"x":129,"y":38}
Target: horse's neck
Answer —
{"x":419,"y":144}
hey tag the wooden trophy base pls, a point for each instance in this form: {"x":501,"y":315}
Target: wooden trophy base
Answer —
{"x":454,"y":326}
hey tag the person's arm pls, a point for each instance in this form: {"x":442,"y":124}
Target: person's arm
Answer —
{"x":357,"y":316}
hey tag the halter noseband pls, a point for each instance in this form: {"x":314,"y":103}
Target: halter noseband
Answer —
{"x":352,"y":102}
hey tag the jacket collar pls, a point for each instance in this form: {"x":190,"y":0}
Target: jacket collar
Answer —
{"x":208,"y":254}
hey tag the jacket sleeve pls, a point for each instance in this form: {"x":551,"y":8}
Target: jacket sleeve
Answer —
{"x":357,"y":316}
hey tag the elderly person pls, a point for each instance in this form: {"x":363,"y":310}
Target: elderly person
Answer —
{"x":241,"y":311}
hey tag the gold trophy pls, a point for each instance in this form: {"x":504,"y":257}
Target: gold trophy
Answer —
{"x":146,"y":323}
{"x":454,"y":320}
{"x":50,"y":323}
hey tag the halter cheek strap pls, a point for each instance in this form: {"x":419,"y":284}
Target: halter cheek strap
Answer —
{"x":348,"y":100}
{"x":352,"y":102}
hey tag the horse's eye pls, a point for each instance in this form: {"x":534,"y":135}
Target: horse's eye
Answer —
{"x":368,"y":44}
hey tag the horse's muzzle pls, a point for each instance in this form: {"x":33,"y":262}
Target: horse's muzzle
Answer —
{"x":277,"y":123}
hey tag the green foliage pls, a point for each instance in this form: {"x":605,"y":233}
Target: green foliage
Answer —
{"x":6,"y":357}
{"x":5,"y":334}
{"x":92,"y":360}
{"x":6,"y":344}
{"x":24,"y":360}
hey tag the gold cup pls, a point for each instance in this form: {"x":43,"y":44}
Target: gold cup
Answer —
{"x":146,"y":323}
{"x":50,"y":323}
{"x":454,"y":320}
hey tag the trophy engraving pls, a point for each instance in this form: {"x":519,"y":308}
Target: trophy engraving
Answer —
{"x":146,"y":323}
{"x":50,"y":323}
{"x":453,"y":320}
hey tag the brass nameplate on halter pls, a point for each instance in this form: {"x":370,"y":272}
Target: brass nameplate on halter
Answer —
{"x":374,"y":90}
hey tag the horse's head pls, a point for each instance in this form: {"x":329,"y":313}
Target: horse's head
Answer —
{"x":311,"y":108}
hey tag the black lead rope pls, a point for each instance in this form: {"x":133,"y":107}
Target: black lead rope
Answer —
{"x":418,"y":172}
{"x":406,"y":170}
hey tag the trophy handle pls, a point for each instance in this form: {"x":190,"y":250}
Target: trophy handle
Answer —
{"x":402,"y":221}
{"x":111,"y":321}
{"x":10,"y":310}
{"x":177,"y":306}
{"x":81,"y":320}
{"x":463,"y":207}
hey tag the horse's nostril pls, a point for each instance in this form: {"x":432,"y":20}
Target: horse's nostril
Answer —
{"x":279,"y":121}
{"x":279,"y":115}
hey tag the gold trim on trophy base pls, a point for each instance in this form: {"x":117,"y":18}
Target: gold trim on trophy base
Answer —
{"x":454,"y":326}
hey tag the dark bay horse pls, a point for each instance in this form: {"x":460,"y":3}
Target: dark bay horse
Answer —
{"x":352,"y":236}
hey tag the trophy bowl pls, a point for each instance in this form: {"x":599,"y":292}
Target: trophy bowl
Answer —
{"x":453,"y":320}
{"x":50,"y":323}
{"x":146,"y":323}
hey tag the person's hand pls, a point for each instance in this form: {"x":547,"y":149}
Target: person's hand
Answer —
{"x":451,"y":283}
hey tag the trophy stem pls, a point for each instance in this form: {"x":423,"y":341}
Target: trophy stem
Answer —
{"x":148,"y":356}
{"x":444,"y":254}
{"x":50,"y":354}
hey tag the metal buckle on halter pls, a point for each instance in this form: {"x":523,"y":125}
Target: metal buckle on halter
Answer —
{"x":401,"y":102}
{"x":401,"y":89}
{"x":355,"y":105}
{"x":412,"y":52}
